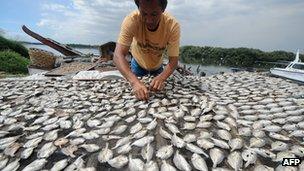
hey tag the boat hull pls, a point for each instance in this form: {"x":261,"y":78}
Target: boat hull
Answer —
{"x":294,"y":75}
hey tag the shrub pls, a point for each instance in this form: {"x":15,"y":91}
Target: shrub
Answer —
{"x":6,"y":44}
{"x":12,"y":62}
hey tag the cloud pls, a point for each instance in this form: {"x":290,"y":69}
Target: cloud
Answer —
{"x":2,"y":32}
{"x":85,"y":21}
{"x":234,"y":23}
{"x":268,"y":25}
{"x":54,"y":7}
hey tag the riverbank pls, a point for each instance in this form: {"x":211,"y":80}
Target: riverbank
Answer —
{"x":203,"y":60}
{"x":235,"y":57}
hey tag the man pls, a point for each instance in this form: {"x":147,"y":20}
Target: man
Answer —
{"x":149,"y":31}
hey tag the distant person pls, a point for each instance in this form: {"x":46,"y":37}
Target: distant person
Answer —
{"x":148,"y":31}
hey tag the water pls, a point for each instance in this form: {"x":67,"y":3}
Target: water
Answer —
{"x":208,"y":70}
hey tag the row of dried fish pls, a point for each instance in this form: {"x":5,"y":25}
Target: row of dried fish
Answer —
{"x":187,"y":122}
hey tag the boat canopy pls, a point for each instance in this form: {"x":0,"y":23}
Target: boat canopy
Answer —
{"x":299,"y":66}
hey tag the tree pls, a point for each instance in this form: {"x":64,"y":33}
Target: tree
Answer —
{"x":2,"y":32}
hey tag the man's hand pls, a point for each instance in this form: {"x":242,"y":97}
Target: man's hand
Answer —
{"x":140,"y":90}
{"x":157,"y":84}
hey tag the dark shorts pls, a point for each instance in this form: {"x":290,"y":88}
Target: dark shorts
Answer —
{"x":140,"y":72}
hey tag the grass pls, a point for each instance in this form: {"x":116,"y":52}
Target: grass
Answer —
{"x":13,"y":63}
{"x":13,"y":58}
{"x":6,"y":44}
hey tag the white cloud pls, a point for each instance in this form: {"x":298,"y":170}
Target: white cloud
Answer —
{"x":54,"y":7}
{"x":86,"y":21}
{"x":2,"y":32}
{"x":268,"y":25}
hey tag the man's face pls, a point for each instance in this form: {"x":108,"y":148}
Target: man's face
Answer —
{"x":151,"y":13}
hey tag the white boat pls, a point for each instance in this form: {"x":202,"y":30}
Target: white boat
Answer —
{"x":294,"y":70}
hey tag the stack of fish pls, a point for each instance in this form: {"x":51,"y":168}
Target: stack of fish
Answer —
{"x":234,"y":121}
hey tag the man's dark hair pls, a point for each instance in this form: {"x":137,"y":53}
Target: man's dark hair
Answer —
{"x":162,"y":3}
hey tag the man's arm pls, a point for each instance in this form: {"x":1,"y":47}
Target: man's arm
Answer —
{"x":158,"y":82}
{"x":140,"y":90}
{"x":120,"y":53}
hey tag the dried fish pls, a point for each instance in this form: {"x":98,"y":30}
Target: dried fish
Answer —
{"x":135,"y":164}
{"x":224,"y":134}
{"x":205,"y":144}
{"x":278,"y":146}
{"x":137,"y":127}
{"x":143,"y":141}
{"x":220,"y":143}
{"x":257,"y":142}
{"x":172,"y":128}
{"x":147,"y":152}
{"x":189,"y":126}
{"x":46,"y":150}
{"x":272,"y":128}
{"x":278,"y":136}
{"x":166,"y":166}
{"x":33,"y":142}
{"x":3,"y":162}
{"x":190,"y":138}
{"x":124,"y":149}
{"x":60,"y":165}
{"x":249,"y":156}
{"x":165,"y":152}
{"x":198,"y":162}
{"x":180,"y":162}
{"x":35,"y":165}
{"x":217,"y":156}
{"x":105,"y":154}
{"x":12,"y":149}
{"x":120,"y":129}
{"x":90,"y":147}
{"x":78,"y":163}
{"x":236,"y":144}
{"x":90,"y":135}
{"x":69,"y":150}
{"x":119,"y":161}
{"x":12,"y":166}
{"x":140,"y":134}
{"x":235,"y":160}
{"x":298,"y":150}
{"x":77,"y":141}
{"x":51,"y":136}
{"x":122,"y":141}
{"x":177,"y":142}
{"x":151,"y":166}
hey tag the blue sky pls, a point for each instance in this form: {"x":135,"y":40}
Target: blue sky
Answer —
{"x":263,"y":24}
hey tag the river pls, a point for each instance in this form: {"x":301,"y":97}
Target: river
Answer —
{"x":207,"y":69}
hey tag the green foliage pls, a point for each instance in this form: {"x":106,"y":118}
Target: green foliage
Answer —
{"x":12,"y":62}
{"x":234,"y":57}
{"x":6,"y":44}
{"x":82,"y":45}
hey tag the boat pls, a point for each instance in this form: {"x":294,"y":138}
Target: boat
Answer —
{"x":294,"y":70}
{"x":64,"y":49}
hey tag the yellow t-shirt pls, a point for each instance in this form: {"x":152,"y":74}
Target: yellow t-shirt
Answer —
{"x":148,"y":47}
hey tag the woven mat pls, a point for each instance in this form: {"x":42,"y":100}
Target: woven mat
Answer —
{"x":105,"y":68}
{"x":96,"y":75}
{"x":70,"y":68}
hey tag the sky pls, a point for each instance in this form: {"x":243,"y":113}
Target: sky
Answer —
{"x":263,"y":24}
